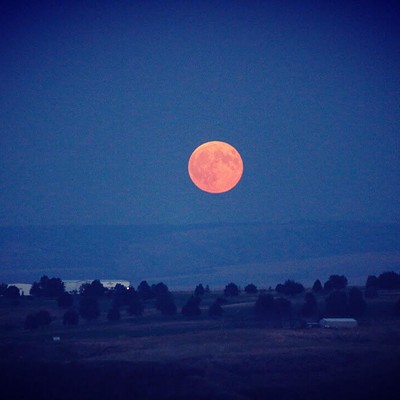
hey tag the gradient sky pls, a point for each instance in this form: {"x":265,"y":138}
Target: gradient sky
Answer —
{"x":102,"y":105}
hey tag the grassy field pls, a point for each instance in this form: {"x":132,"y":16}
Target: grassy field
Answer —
{"x":234,"y":357}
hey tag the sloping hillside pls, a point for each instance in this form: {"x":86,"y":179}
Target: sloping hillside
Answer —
{"x":213,"y":254}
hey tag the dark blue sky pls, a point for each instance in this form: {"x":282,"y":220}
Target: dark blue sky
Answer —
{"x":102,"y":105}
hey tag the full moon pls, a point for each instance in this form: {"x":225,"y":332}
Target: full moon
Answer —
{"x":215,"y":167}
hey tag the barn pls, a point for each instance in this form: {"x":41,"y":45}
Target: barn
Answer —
{"x":338,"y":323}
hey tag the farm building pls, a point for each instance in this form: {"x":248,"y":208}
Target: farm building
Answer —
{"x":107,"y":283}
{"x":338,"y":323}
{"x":71,"y":285}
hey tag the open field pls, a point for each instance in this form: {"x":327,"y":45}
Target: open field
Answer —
{"x":235,"y":357}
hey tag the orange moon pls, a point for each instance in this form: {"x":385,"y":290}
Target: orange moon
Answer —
{"x":215,"y":167}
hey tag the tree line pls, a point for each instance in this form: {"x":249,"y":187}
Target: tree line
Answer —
{"x":338,"y":301}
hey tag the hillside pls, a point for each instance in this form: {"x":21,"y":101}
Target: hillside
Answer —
{"x":184,"y":255}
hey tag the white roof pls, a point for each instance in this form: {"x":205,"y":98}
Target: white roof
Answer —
{"x":339,"y":320}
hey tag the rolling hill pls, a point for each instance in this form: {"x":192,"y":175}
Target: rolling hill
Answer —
{"x":214,"y":254}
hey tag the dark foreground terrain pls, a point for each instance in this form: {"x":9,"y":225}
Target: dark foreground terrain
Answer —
{"x":235,"y":357}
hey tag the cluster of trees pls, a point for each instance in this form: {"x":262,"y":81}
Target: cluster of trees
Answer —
{"x":47,"y":287}
{"x":338,"y":301}
{"x":290,"y":288}
{"x":387,"y":281}
{"x":341,"y":304}
{"x":37,"y":320}
{"x":9,"y":292}
{"x":269,"y":307}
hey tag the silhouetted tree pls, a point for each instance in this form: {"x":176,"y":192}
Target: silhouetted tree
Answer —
{"x":165,"y":301}
{"x":36,"y":320}
{"x":71,"y":317}
{"x":113,"y":315}
{"x":47,"y":287}
{"x":310,"y":306}
{"x":231,"y":290}
{"x":396,"y":308}
{"x":290,"y":287}
{"x":279,"y":288}
{"x":356,"y":302}
{"x":12,"y":292}
{"x":94,"y":289}
{"x":3,"y":288}
{"x":282,"y":308}
{"x":120,"y":295}
{"x":317,"y":287}
{"x":264,"y":306}
{"x":389,"y":280}
{"x":336,"y":304}
{"x":215,"y":309}
{"x":191,"y":308}
{"x":372,"y":282}
{"x":207,"y":289}
{"x":144,"y":291}
{"x":328,"y":287}
{"x":65,"y":300}
{"x":89,"y":307}
{"x":135,"y":306}
{"x":199,"y":291}
{"x":371,"y":287}
{"x":251,"y":288}
{"x":337,"y":282}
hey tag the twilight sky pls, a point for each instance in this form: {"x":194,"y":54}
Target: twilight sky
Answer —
{"x":102,"y":105}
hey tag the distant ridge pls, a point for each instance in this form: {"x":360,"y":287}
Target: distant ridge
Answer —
{"x":214,"y":253}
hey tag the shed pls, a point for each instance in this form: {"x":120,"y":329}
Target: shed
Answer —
{"x":338,"y":323}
